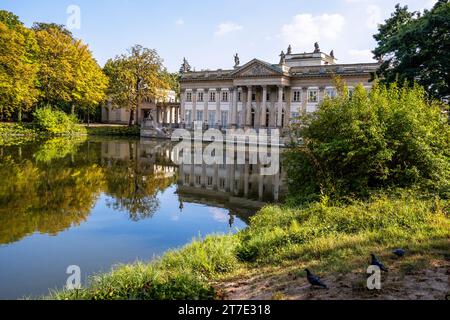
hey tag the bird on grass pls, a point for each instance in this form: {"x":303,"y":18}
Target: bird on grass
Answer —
{"x":315,"y":280}
{"x":399,"y":252}
{"x":375,"y":262}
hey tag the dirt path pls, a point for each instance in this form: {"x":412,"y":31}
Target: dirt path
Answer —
{"x":432,"y":283}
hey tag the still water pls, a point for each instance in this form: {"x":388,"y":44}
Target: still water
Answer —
{"x":97,"y":203}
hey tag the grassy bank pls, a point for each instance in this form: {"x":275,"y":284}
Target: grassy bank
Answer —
{"x":113,"y":130}
{"x":14,"y":133}
{"x":327,"y":237}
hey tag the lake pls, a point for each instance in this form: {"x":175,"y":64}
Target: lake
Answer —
{"x":97,"y":202}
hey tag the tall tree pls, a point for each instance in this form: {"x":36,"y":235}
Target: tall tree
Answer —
{"x":69,"y":75}
{"x":90,"y":83}
{"x":141,"y":76}
{"x":56,"y":57}
{"x":416,"y":47}
{"x":18,"y":66}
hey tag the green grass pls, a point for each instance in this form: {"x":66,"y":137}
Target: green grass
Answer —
{"x":13,"y":133}
{"x":124,"y":131}
{"x":330,"y":238}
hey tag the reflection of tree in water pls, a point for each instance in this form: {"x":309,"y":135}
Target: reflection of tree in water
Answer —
{"x":134,"y":186}
{"x":52,"y":186}
{"x":47,"y":194}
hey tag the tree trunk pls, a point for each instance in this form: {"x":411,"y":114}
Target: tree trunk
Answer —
{"x":72,"y":109}
{"x":88,"y":120}
{"x":19,"y":115}
{"x":131,"y":118}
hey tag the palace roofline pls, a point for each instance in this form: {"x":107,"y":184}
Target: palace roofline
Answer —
{"x":298,"y":71}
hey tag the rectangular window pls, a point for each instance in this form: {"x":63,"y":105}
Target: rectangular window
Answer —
{"x":225,"y":96}
{"x":222,"y":183}
{"x":200,"y":97}
{"x":210,"y":181}
{"x":284,"y":96}
{"x":268,"y":96}
{"x":188,"y":116}
{"x":330,"y":92}
{"x":212,"y":96}
{"x":211,"y":118}
{"x":198,"y":180}
{"x":224,"y":118}
{"x":312,"y":96}
{"x":189,"y":96}
{"x":199,"y":115}
{"x":240,"y":96}
{"x":297,"y":96}
{"x":187,"y":178}
{"x":253,"y":96}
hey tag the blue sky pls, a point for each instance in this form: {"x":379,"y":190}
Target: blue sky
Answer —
{"x":209,"y":32}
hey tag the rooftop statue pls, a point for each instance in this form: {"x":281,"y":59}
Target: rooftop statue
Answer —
{"x":282,"y":58}
{"x":316,"y":48}
{"x":237,"y":62}
{"x":289,"y":50}
{"x":185,"y":67}
{"x":332,"y":54}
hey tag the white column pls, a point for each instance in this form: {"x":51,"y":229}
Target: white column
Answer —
{"x":280,"y":105}
{"x":218,"y":99}
{"x":194,"y":105}
{"x":263,"y":107}
{"x":182,"y":107}
{"x":205,"y":106}
{"x":248,"y":108}
{"x":287,"y":112}
{"x":234,"y":108}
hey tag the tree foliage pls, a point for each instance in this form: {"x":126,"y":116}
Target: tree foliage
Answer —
{"x":18,"y":66}
{"x":136,"y":76}
{"x":416,"y":47}
{"x":389,"y":137}
{"x":45,"y":66}
{"x":69,"y":75}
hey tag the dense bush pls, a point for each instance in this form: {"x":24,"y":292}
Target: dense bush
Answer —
{"x":382,"y":138}
{"x":56,"y":122}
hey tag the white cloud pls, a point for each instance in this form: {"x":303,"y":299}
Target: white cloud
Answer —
{"x":227,"y":27}
{"x":305,"y":29}
{"x":219,"y":215}
{"x":373,"y":16}
{"x":179,"y":22}
{"x":360,"y":55}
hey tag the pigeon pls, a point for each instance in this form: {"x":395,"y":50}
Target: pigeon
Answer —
{"x":376,"y":262}
{"x":399,"y":252}
{"x":315,"y":280}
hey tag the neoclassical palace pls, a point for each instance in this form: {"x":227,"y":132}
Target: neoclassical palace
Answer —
{"x":259,"y":94}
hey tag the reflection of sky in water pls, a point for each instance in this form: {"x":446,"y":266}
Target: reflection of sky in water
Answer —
{"x":38,"y":262}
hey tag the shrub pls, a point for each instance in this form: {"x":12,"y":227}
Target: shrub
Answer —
{"x":56,"y":122}
{"x":387,"y":137}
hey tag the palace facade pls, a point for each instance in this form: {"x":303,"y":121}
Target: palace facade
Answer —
{"x":165,"y":111}
{"x":259,"y":94}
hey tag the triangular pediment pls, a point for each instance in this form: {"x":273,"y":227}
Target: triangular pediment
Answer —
{"x":257,"y":68}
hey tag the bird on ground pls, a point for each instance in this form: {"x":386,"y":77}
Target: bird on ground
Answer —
{"x":375,"y":262}
{"x":399,"y":252}
{"x":315,"y":280}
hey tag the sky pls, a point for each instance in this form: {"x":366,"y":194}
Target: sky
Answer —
{"x":209,"y":32}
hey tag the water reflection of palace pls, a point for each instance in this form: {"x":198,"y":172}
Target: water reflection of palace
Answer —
{"x":239,"y":188}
